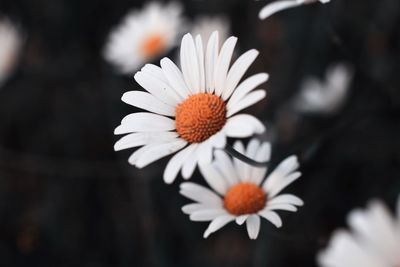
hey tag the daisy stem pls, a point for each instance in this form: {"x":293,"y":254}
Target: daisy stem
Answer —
{"x":236,"y":154}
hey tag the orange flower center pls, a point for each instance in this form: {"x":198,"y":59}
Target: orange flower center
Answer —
{"x":244,"y":198}
{"x":152,"y":45}
{"x":200,"y":117}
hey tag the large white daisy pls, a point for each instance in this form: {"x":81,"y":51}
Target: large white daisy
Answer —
{"x":144,"y":35}
{"x":373,"y":242}
{"x":277,"y":6}
{"x":194,"y":108}
{"x":10,"y":46}
{"x":239,"y":192}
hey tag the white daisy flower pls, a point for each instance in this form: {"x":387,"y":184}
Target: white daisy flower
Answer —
{"x":277,"y":6}
{"x":10,"y":45}
{"x":239,"y":193}
{"x":327,"y":96}
{"x":373,"y":242}
{"x":206,"y":25}
{"x":144,"y":36}
{"x":194,"y":108}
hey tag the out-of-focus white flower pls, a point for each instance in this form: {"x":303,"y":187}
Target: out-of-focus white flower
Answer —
{"x":206,"y":25}
{"x":239,"y":193}
{"x":144,"y":35}
{"x":277,"y":6}
{"x":10,"y":45}
{"x":373,"y":242}
{"x":325,"y":97}
{"x":193,"y":109}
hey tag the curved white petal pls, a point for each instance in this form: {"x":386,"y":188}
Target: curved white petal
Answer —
{"x":211,"y":61}
{"x":147,"y":102}
{"x":200,"y":194}
{"x":190,"y":163}
{"x":245,"y":87}
{"x":263,"y":155}
{"x":155,"y":71}
{"x":277,"y":6}
{"x":247,"y":101}
{"x":271,"y":216}
{"x":144,"y":122}
{"x":221,"y":69}
{"x":217,"y":224}
{"x":226,"y":167}
{"x":243,"y":125}
{"x":175,"y":78}
{"x":159,"y":151}
{"x":241,"y":219}
{"x":190,"y":64}
{"x":237,"y":71}
{"x":213,"y":178}
{"x":176,"y":163}
{"x":286,"y":199}
{"x":286,"y":207}
{"x":190,"y":208}
{"x":207,"y":214}
{"x":204,"y":152}
{"x":139,"y":139}
{"x":253,"y":226}
{"x":200,"y":59}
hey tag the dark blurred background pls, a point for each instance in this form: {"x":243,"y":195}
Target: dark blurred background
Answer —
{"x":67,"y":199}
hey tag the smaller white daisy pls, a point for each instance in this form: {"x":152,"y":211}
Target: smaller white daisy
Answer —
{"x":10,"y":46}
{"x":206,"y":25}
{"x":144,"y":36}
{"x":239,"y":191}
{"x":277,"y":6}
{"x":325,"y":97}
{"x":373,"y":242}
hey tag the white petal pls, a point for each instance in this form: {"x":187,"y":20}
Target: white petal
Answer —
{"x":282,"y":184}
{"x":213,"y":178}
{"x":174,"y":77}
{"x":139,"y":152}
{"x":237,"y":71}
{"x":204,"y":152}
{"x":140,"y":139}
{"x":144,"y":122}
{"x":211,"y":61}
{"x":286,"y":207}
{"x":275,"y":7}
{"x":253,"y":226}
{"x":207,"y":214}
{"x":217,"y":224}
{"x":242,"y":218}
{"x":222,"y":67}
{"x":147,"y":102}
{"x":286,"y":199}
{"x":287,"y":166}
{"x":200,"y":194}
{"x":246,"y":102}
{"x":245,"y":87}
{"x":190,"y":64}
{"x":159,"y":89}
{"x":225,"y":166}
{"x":263,"y":155}
{"x":154,"y":71}
{"x":176,"y":163}
{"x":242,"y":126}
{"x":251,"y":151}
{"x":200,"y":55}
{"x":190,"y":208}
{"x":190,"y":163}
{"x":239,"y":165}
{"x":159,"y":151}
{"x":271,"y":216}
{"x":218,"y":140}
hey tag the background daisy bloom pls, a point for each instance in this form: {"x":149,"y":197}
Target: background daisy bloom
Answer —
{"x":325,"y":97}
{"x":144,"y":36}
{"x":194,"y":109}
{"x":240,"y":193}
{"x":10,"y":46}
{"x":206,"y":25}
{"x":373,"y":242}
{"x":277,"y":6}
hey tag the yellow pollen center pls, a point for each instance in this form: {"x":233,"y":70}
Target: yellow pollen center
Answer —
{"x":152,"y":45}
{"x":244,"y":198}
{"x":200,"y":117}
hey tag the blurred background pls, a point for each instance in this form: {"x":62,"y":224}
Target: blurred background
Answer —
{"x":67,"y":199}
